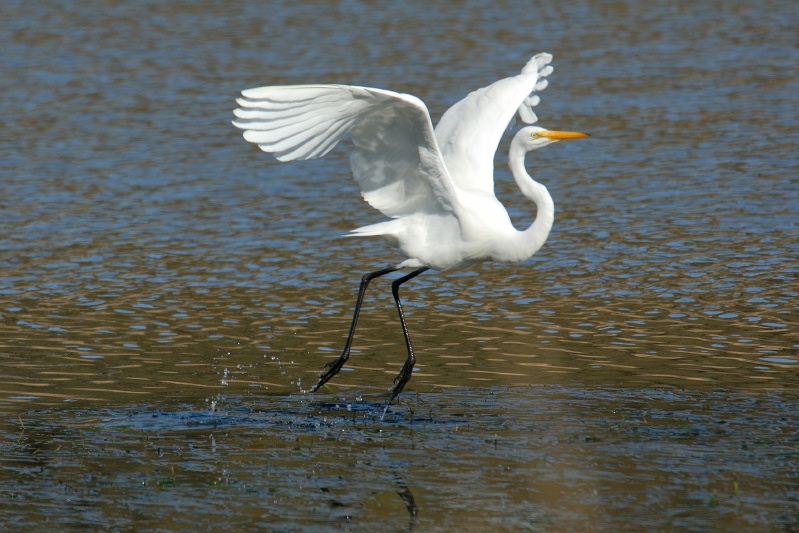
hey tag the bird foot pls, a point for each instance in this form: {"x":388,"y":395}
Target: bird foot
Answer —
{"x":330,"y":369}
{"x":401,"y":379}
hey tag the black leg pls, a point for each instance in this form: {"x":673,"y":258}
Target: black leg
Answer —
{"x":333,"y":367}
{"x":407,"y":368}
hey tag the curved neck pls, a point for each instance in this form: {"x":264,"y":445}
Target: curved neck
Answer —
{"x":530,"y":240}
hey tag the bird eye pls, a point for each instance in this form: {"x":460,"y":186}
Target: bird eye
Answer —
{"x":534,"y":135}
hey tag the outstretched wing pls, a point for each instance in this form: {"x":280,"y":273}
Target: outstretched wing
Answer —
{"x":396,"y":159}
{"x":470,"y":131}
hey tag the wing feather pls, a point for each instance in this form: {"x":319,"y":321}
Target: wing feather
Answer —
{"x":470,"y":131}
{"x":396,"y":159}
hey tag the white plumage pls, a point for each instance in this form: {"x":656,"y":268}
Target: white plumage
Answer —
{"x":435,"y":185}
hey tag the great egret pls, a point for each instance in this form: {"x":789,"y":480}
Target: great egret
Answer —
{"x":436,"y":185}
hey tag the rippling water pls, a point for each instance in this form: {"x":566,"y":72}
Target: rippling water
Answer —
{"x":154,"y":266}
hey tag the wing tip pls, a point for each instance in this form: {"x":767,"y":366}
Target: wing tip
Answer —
{"x":538,"y":63}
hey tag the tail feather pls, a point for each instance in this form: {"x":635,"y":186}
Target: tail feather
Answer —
{"x":382,"y":229}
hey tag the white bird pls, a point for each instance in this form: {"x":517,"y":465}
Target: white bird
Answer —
{"x":435,"y":185}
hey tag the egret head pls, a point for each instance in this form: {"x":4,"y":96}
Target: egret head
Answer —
{"x":533,"y":137}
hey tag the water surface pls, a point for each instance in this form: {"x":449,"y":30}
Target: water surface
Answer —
{"x":167,"y":290}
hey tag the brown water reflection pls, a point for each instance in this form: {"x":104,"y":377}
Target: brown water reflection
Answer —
{"x":238,"y":341}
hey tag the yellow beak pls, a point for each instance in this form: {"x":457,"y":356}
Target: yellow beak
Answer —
{"x":562,"y":135}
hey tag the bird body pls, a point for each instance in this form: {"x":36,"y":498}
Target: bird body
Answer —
{"x":435,"y":184}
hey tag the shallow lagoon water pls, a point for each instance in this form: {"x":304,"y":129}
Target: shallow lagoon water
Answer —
{"x":474,"y":458}
{"x":167,"y":291}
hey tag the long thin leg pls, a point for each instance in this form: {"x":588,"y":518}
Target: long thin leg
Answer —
{"x":333,"y":367}
{"x":407,"y":368}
